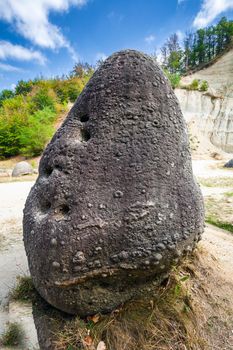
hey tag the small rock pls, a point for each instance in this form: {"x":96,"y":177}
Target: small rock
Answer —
{"x":22,"y":168}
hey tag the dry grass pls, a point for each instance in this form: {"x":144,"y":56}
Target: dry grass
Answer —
{"x":18,"y":179}
{"x":165,"y":319}
{"x":12,"y":335}
{"x":216,"y":181}
{"x":24,"y":289}
{"x":219,"y":211}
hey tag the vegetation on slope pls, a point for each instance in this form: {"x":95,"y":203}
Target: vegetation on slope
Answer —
{"x":197,"y":50}
{"x":28,"y":115}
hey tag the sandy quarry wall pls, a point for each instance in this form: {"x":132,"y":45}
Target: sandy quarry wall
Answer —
{"x":210,"y":114}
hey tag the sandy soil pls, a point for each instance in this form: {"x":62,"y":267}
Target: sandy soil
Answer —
{"x":13,"y":260}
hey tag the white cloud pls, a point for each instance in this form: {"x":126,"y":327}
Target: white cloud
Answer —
{"x":17,"y":52}
{"x":101,"y":56}
{"x":180,"y":1}
{"x":115,"y":16}
{"x":159,"y":56}
{"x":149,"y":39}
{"x":9,"y":68}
{"x":180,"y":35}
{"x":30,"y":18}
{"x":210,"y":9}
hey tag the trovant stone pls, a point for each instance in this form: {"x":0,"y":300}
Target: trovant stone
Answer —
{"x":22,"y":168}
{"x":123,"y":148}
{"x":229,"y":164}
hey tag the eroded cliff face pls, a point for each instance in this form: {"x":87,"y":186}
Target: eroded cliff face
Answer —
{"x":209,"y":116}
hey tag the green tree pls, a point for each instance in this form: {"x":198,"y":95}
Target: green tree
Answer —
{"x":6,"y":94}
{"x":23,"y":87}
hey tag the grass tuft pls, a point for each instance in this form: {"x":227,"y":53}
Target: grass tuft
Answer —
{"x":229,"y":194}
{"x":12,"y":335}
{"x":24,"y":289}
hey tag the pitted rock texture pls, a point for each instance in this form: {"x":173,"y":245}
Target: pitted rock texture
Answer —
{"x":115,"y":203}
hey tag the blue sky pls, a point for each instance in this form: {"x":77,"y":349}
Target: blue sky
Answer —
{"x":46,"y":37}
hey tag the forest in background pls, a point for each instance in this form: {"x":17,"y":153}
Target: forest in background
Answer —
{"x":28,"y":114}
{"x":197,"y":50}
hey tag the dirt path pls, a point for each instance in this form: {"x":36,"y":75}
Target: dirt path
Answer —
{"x":211,"y":168}
{"x":13,"y":260}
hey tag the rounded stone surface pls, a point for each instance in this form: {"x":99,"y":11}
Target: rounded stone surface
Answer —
{"x":229,"y":164}
{"x":22,"y":168}
{"x":129,"y":122}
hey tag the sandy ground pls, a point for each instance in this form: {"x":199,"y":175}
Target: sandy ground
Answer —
{"x":211,"y":168}
{"x":13,"y":260}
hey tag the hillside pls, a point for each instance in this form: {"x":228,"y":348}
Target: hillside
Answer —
{"x":30,"y":115}
{"x":209,"y":114}
{"x":219,"y":75}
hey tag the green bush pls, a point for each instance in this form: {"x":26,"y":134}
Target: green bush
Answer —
{"x":174,"y":78}
{"x":43,"y":100}
{"x":5,"y":94}
{"x":194,"y":85}
{"x":37,"y":132}
{"x":23,"y":87}
{"x":204,"y":86}
{"x":13,"y":115}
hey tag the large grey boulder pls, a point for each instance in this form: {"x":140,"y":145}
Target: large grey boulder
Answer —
{"x":229,"y":164}
{"x":22,"y":168}
{"x":115,"y":204}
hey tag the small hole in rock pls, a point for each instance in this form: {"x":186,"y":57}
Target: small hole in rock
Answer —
{"x":85,"y":135}
{"x":58,"y":167}
{"x":84,"y":118}
{"x":64,"y":209}
{"x":45,"y":206}
{"x":48,"y":170}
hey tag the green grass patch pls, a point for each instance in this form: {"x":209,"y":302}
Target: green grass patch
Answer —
{"x":224,"y":225}
{"x":24,"y":289}
{"x":12,"y":335}
{"x":229,"y":194}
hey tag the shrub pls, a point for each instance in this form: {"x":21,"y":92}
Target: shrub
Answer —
{"x":75,"y":87}
{"x":174,"y":78}
{"x":23,"y":87}
{"x":13,"y":115}
{"x":194,"y":85}
{"x":43,"y":100}
{"x":6,"y":94}
{"x":204,"y":86}
{"x":37,"y":132}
